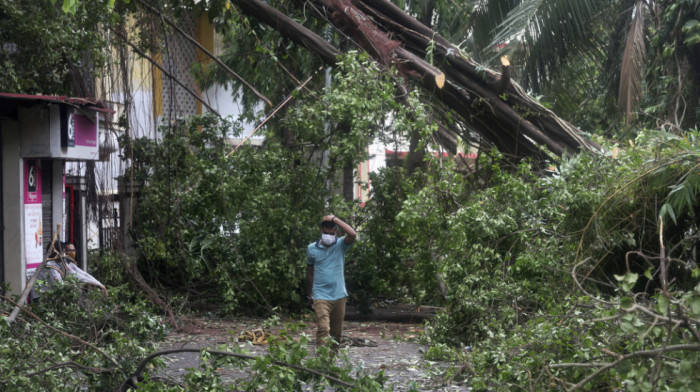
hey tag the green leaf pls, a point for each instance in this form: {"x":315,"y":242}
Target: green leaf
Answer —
{"x":690,"y":26}
{"x":628,"y":280}
{"x":70,"y":6}
{"x":663,"y":304}
{"x":667,"y":210}
{"x":694,"y":305}
{"x":692,"y":40}
{"x":626,"y":302}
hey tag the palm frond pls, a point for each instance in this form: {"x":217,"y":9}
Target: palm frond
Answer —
{"x":485,"y":17}
{"x":547,"y":31}
{"x":631,"y":70}
{"x":452,"y":17}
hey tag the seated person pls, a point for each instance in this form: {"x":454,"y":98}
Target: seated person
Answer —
{"x":82,"y":276}
{"x":60,"y":265}
{"x":53,"y":271}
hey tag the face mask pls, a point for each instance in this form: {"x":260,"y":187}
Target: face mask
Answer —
{"x":71,"y":255}
{"x":328,"y":239}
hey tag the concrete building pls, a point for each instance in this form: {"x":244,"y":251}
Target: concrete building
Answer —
{"x":39,"y":135}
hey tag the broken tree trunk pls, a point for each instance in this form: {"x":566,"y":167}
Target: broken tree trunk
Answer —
{"x":493,"y":106}
{"x":418,"y":37}
{"x":135,"y":275}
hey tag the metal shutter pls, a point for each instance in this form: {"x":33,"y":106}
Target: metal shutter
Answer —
{"x":47,"y":226}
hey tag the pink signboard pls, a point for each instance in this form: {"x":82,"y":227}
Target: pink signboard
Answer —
{"x":85,"y":131}
{"x":63,"y":226}
{"x":33,"y":236}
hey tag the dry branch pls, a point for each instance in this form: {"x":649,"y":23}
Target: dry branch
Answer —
{"x":28,"y":288}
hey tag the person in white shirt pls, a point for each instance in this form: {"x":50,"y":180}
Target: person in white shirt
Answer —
{"x":82,"y":276}
{"x":58,"y":267}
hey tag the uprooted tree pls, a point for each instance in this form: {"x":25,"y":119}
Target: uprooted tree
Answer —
{"x":488,"y":103}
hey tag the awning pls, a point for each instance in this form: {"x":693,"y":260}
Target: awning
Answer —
{"x":74,"y":101}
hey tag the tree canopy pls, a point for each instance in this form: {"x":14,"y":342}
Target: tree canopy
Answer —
{"x":565,"y":260}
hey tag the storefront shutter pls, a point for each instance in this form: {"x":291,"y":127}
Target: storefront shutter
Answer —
{"x":47,"y":225}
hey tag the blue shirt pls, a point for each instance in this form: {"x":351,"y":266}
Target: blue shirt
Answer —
{"x":329,"y":266}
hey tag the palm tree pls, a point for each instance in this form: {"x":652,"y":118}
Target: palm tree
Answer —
{"x":575,"y":41}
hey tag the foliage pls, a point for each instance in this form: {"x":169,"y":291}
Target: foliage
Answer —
{"x":262,"y":57}
{"x":351,"y":112}
{"x":672,"y":98}
{"x":268,"y":372}
{"x":246,"y":243}
{"x":45,"y":50}
{"x":498,"y":250}
{"x":514,"y":248}
{"x":589,"y":58}
{"x":238,"y":224}
{"x":35,"y":357}
{"x":682,"y":176}
{"x":379,"y":265}
{"x":596,"y":344}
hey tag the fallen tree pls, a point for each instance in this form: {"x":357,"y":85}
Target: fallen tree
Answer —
{"x":489,"y":103}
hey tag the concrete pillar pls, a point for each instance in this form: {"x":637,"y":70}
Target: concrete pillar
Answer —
{"x":13,"y":207}
{"x":57,"y":197}
{"x":128,"y":197}
{"x":80,"y":185}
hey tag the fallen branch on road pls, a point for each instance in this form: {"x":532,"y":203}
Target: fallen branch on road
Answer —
{"x":66,"y":334}
{"x":30,"y":284}
{"x":70,"y":364}
{"x":636,"y":354}
{"x":131,"y":382}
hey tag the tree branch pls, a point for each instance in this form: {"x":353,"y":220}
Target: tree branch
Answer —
{"x":644,"y":353}
{"x":70,"y":364}
{"x":66,"y":334}
{"x":142,"y":365}
{"x":28,"y":288}
{"x":518,"y":126}
{"x":290,"y":29}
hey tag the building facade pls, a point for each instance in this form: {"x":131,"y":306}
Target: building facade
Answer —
{"x":39,"y":136}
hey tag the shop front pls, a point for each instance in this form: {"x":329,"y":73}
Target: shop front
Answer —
{"x":39,"y":134}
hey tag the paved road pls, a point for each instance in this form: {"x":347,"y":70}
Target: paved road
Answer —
{"x":397,"y":352}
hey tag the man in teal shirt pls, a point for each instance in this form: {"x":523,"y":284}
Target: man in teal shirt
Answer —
{"x":325,"y":278}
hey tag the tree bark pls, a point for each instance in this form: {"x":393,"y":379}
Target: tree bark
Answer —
{"x":348,"y":181}
{"x":415,"y":157}
{"x":417,"y":37}
{"x":137,"y":278}
{"x":494,"y":107}
{"x":290,"y":29}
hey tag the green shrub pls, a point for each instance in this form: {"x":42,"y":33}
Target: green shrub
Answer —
{"x":516,"y":247}
{"x":37,"y":357}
